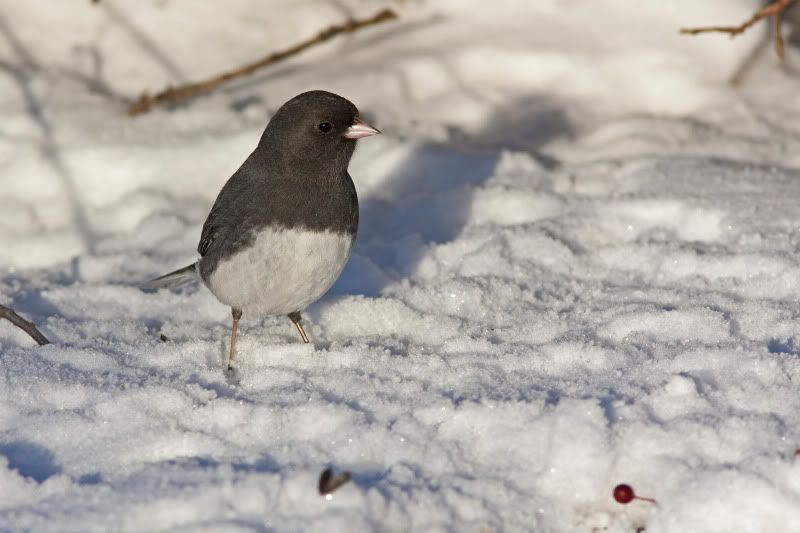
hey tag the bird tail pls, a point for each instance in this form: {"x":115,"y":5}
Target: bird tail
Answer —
{"x":173,"y":279}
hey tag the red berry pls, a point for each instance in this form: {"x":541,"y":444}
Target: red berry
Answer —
{"x":624,"y":493}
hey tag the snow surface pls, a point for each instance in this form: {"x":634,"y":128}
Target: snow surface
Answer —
{"x":577,"y":267}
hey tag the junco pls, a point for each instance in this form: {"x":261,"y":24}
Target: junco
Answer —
{"x":282,"y":227}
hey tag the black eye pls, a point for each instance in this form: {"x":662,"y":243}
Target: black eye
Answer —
{"x":325,"y":127}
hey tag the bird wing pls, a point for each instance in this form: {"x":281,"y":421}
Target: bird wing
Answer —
{"x":210,"y":232}
{"x":226,"y":214}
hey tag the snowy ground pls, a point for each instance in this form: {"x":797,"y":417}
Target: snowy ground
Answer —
{"x":577,"y":267}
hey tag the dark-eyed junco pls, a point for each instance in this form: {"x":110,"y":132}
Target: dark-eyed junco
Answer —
{"x":282,"y":227}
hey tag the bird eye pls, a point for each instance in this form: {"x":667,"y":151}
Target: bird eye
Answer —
{"x":325,"y":127}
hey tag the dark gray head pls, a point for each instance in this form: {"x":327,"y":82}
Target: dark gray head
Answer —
{"x":315,"y":126}
{"x":296,"y":177}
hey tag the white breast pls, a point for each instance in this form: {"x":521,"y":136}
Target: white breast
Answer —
{"x":282,"y":272}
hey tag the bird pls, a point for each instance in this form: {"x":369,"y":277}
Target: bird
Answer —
{"x":282,"y":228}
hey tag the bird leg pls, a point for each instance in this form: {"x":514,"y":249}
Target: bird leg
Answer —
{"x":237,"y":314}
{"x":295,"y":318}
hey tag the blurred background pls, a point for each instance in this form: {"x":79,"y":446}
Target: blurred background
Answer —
{"x":519,"y":75}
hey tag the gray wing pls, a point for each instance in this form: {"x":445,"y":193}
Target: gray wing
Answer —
{"x":211,"y":230}
{"x":226,"y":213}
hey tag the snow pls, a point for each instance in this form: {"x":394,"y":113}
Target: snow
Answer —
{"x":576,"y":267}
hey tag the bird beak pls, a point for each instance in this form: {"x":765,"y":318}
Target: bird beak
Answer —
{"x":360,"y":129}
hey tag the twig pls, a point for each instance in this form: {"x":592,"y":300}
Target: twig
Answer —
{"x":172,"y":95}
{"x":28,"y":327}
{"x":774,"y":10}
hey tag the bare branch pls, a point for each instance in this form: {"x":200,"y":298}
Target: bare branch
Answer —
{"x":172,"y":95}
{"x":774,"y":10}
{"x":28,"y":327}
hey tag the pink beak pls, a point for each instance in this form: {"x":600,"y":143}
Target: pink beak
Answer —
{"x":360,"y":129}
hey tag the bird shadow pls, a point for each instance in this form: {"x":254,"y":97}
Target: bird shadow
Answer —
{"x":427,"y":198}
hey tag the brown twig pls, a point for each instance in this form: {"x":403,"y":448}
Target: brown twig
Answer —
{"x":28,"y":327}
{"x":172,"y":95}
{"x":774,"y":10}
